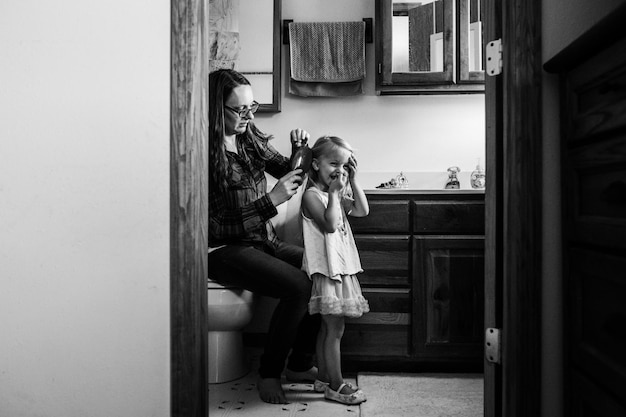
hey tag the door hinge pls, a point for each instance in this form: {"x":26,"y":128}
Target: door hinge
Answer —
{"x":380,"y":68}
{"x":492,"y":345}
{"x":493,"y":57}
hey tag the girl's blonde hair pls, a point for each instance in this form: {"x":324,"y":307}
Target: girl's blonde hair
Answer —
{"x":323,"y":146}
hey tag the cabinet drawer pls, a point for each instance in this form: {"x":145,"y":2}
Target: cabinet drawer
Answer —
{"x":385,"y":329}
{"x":384,"y":217}
{"x":385,"y":260}
{"x":449,"y":217}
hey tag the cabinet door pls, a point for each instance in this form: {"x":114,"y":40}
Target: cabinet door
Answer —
{"x":429,"y":47}
{"x":448,"y":302}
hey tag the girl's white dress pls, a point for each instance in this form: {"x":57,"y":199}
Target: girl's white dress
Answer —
{"x":332,"y":261}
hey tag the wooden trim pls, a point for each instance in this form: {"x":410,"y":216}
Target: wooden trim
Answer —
{"x":189,"y":208}
{"x":383,"y":32}
{"x":521,"y":208}
{"x":492,"y":13}
{"x":275,"y":105}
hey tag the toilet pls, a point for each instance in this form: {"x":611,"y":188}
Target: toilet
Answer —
{"x":229,"y":311}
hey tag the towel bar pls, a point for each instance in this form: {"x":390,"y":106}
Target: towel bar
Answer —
{"x":369,"y":22}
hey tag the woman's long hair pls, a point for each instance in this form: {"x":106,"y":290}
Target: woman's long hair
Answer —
{"x":221,"y":85}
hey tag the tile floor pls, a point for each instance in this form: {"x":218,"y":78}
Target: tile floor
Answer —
{"x":241,"y":398}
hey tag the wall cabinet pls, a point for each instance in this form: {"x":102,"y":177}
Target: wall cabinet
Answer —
{"x":423,"y":261}
{"x":429,"y":47}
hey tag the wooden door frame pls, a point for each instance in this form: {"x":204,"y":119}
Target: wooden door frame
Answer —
{"x":189,"y":208}
{"x":513,"y":208}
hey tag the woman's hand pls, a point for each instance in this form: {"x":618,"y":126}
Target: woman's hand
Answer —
{"x":286,"y":187}
{"x":299,"y":136}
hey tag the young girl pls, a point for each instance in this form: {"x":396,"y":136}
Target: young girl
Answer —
{"x":331,"y":259}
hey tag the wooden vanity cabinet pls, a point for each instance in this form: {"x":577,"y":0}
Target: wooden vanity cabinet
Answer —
{"x":423,"y":261}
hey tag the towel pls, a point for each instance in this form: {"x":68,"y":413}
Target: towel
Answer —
{"x":327,"y":58}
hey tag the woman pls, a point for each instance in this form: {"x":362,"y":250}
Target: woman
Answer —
{"x":244,"y":250}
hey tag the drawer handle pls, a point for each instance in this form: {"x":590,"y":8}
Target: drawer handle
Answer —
{"x":615,"y":193}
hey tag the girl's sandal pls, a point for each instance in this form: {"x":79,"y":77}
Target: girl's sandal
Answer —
{"x":319,"y":386}
{"x":357,"y":397}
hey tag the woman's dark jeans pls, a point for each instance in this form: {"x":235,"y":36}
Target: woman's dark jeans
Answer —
{"x":274,"y":272}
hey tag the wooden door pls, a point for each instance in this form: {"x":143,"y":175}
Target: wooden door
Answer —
{"x":593,"y":143}
{"x":513,"y":208}
{"x":189,"y":209}
{"x":493,"y":208}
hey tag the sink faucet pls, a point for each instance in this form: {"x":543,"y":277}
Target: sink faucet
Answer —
{"x":453,"y":181}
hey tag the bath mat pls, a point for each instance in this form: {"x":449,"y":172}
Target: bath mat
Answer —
{"x":421,"y":395}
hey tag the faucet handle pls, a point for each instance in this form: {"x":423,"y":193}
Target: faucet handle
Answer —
{"x":454,"y":170}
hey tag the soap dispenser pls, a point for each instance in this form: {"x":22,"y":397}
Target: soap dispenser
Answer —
{"x":453,"y":181}
{"x":477,"y":178}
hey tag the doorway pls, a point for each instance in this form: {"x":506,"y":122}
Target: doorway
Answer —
{"x":513,"y":211}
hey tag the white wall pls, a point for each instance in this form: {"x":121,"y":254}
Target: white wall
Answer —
{"x":390,"y":133}
{"x":562,"y":22}
{"x":84,"y":208}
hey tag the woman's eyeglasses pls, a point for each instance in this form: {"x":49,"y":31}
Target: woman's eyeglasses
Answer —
{"x":243,"y":111}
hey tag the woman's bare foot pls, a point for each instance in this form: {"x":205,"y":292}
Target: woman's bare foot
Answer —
{"x":271,"y":391}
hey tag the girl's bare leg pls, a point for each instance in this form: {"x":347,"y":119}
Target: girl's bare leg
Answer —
{"x":332,"y":352}
{"x":321,"y":357}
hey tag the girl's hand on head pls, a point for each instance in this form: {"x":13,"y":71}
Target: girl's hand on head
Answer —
{"x":298,"y":136}
{"x":286,"y":187}
{"x":352,"y":167}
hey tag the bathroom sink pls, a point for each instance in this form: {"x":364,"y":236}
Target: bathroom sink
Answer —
{"x":418,"y":182}
{"x":423,"y":191}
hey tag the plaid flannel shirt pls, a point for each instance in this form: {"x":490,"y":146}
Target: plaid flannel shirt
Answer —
{"x":242,"y":213}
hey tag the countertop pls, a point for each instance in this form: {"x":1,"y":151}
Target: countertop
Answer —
{"x":418,"y":183}
{"x":401,"y":191}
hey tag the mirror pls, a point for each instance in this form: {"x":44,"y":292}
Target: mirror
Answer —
{"x":420,"y":35}
{"x":245,"y":35}
{"x":471,"y":40}
{"x":417,"y":34}
{"x":474,"y":36}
